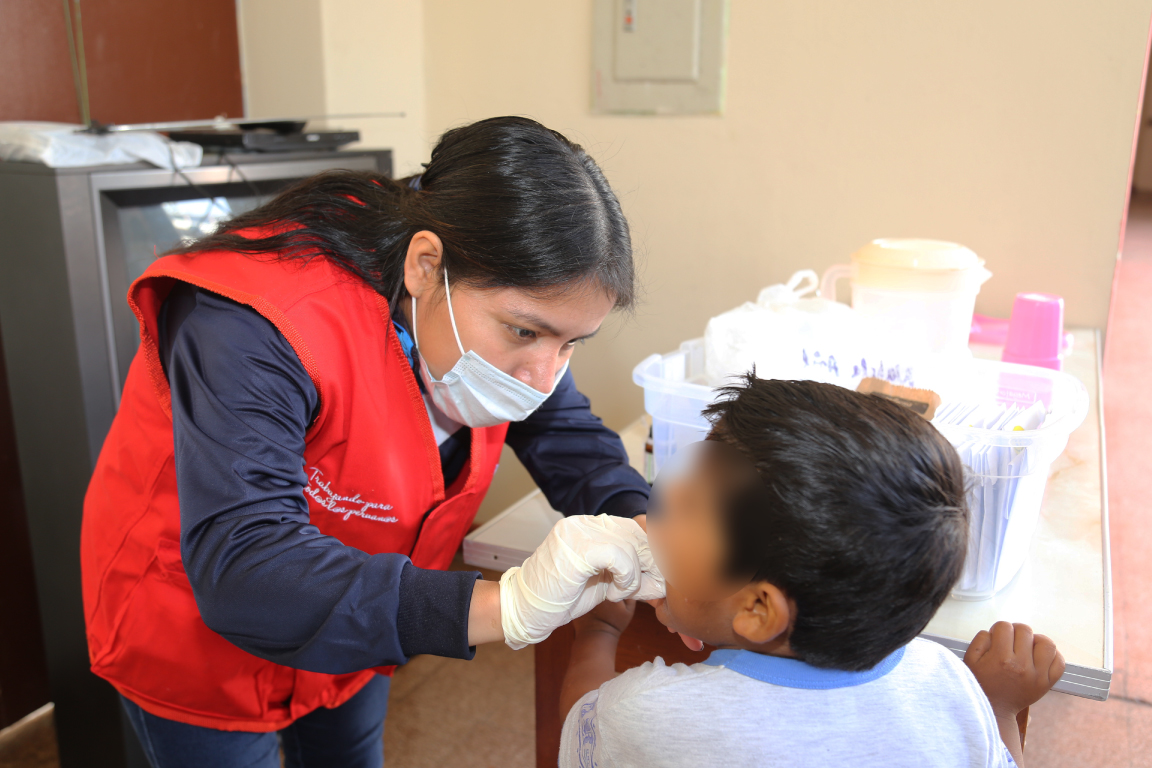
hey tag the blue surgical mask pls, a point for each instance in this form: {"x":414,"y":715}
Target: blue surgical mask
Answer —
{"x":475,"y":392}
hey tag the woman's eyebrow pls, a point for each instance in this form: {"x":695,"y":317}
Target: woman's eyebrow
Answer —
{"x":588,"y":335}
{"x":538,"y":323}
{"x":533,"y":320}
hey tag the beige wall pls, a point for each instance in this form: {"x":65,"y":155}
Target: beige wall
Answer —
{"x":374,"y":62}
{"x":310,"y":57}
{"x":281,"y":57}
{"x":1005,"y":126}
{"x":1142,"y":170}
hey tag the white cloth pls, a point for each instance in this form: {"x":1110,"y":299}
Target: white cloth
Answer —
{"x":926,"y":711}
{"x":583,"y":561}
{"x":62,"y":145}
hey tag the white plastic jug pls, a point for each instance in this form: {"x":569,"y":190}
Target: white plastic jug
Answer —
{"x":919,"y":293}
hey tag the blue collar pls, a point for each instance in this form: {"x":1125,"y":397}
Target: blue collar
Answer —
{"x":792,"y":673}
{"x":406,"y":343}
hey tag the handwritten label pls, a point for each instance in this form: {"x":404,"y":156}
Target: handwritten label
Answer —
{"x":863,"y":368}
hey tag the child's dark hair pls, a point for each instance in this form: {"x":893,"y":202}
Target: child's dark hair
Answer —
{"x":864,"y":523}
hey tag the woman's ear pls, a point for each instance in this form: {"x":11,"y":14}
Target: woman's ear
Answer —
{"x":421,"y":275}
{"x":763,"y":613}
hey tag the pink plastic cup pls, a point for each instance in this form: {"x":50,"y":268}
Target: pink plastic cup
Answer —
{"x":1036,"y":331}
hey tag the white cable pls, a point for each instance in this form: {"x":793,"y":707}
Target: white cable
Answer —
{"x":451,"y":314}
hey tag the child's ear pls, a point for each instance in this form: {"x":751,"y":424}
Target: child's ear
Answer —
{"x":763,"y":613}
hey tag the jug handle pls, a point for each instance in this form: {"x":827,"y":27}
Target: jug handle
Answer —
{"x":831,"y":276}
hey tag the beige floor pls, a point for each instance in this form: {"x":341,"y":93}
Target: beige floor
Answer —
{"x":475,"y":714}
{"x":466,"y":714}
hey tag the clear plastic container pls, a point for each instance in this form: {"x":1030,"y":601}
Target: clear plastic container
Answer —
{"x":677,"y":388}
{"x":1009,"y":470}
{"x":675,"y":393}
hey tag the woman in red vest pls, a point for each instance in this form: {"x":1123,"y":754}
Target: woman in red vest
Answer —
{"x":315,"y":413}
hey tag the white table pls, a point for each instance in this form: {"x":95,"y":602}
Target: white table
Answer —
{"x":1064,"y":589}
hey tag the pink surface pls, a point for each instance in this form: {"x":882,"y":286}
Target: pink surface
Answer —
{"x":994,"y":331}
{"x":988,"y":330}
{"x":1067,"y":731}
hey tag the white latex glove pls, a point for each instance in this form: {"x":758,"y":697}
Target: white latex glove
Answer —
{"x":584,"y":561}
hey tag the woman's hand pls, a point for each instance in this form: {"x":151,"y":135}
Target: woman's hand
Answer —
{"x":584,"y":561}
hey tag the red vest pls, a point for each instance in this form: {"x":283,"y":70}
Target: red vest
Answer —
{"x":374,"y":483}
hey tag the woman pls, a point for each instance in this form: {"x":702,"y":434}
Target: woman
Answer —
{"x":315,"y":414}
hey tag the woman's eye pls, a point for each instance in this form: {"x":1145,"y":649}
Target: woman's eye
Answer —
{"x":523,"y":333}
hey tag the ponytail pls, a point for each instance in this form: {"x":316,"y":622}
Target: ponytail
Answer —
{"x":514,"y":204}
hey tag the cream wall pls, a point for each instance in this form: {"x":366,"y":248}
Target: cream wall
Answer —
{"x":281,"y":57}
{"x":1005,"y":126}
{"x":312,"y":57}
{"x":1142,"y":170}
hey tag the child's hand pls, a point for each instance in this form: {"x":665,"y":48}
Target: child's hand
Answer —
{"x":1014,"y":667}
{"x":593,"y":659}
{"x":609,"y":617}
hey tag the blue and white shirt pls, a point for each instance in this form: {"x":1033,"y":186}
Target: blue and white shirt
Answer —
{"x":920,"y":708}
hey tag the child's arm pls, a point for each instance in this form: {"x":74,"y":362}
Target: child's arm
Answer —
{"x":593,"y":659}
{"x":1015,"y":668}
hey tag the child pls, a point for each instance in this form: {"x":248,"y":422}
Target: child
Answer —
{"x":810,"y":538}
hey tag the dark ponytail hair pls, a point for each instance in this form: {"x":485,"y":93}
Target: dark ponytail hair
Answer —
{"x":514,"y":203}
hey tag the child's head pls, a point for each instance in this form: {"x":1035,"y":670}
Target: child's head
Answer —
{"x":814,"y":521}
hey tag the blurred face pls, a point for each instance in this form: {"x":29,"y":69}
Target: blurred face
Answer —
{"x":686,"y":533}
{"x":528,"y":337}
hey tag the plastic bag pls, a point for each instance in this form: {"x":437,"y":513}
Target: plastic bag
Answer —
{"x":787,"y":335}
{"x":59,"y":145}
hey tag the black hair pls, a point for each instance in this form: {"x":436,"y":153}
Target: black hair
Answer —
{"x":514,"y":204}
{"x":863,"y":522}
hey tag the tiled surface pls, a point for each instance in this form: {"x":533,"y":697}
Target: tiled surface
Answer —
{"x":1128,"y":425}
{"x":1067,"y":731}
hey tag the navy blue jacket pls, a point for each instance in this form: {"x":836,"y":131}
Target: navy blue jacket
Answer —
{"x":241,"y":405}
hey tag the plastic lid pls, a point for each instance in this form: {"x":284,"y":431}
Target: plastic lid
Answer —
{"x":911,"y":253}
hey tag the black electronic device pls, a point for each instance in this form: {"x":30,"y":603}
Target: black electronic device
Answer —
{"x":266,"y":139}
